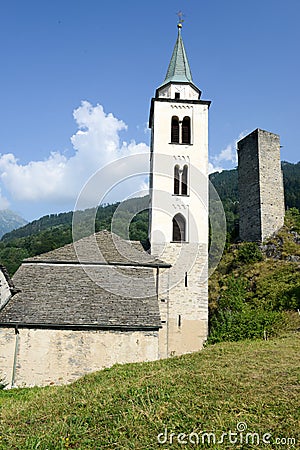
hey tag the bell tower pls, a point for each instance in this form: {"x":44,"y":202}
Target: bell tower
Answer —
{"x":178,"y":225}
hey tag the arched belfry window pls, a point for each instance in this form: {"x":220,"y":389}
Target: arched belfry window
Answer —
{"x":179,"y":228}
{"x":176,"y":180}
{"x":184,"y":181}
{"x":175,"y":130}
{"x":186,"y":130}
{"x":181,"y":180}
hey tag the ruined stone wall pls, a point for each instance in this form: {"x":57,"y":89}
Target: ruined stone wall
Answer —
{"x":249,"y":195}
{"x":271,"y":184}
{"x":43,"y":357}
{"x":261,"y":194}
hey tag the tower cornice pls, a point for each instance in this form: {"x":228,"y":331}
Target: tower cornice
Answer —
{"x":174,"y":101}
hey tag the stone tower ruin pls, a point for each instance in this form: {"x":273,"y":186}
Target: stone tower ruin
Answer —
{"x":260,"y":182}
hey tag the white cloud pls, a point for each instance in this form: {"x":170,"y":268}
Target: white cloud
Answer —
{"x":35,"y":181}
{"x":58,"y":179}
{"x":144,"y":188}
{"x":56,"y":182}
{"x":212,"y":168}
{"x":4,"y":203}
{"x":227,"y":156}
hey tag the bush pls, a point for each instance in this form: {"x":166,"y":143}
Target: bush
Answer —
{"x":279,"y":289}
{"x":249,"y":252}
{"x":292,"y":219}
{"x":251,"y":323}
{"x":236,"y":319}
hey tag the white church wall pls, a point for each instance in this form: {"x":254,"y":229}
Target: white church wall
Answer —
{"x":185,"y":91}
{"x":183,"y":290}
{"x":46,"y":357}
{"x":7,"y":350}
{"x":194,"y":206}
{"x":5,"y":293}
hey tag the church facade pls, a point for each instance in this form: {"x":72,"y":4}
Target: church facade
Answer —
{"x":61,"y":318}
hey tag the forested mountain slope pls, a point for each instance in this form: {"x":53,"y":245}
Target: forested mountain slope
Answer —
{"x":55,"y":230}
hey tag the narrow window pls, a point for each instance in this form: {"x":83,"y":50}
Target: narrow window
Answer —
{"x":186,"y":130}
{"x":177,"y":94}
{"x":178,"y":228}
{"x":184,"y":181}
{"x":179,"y":321}
{"x":186,"y":280}
{"x":176,"y":180}
{"x":175,"y":130}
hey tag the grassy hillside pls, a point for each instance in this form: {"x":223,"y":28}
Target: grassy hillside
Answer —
{"x":225,"y":386}
{"x":254,"y":287}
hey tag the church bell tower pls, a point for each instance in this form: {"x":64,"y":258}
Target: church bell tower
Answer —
{"x":178,"y":225}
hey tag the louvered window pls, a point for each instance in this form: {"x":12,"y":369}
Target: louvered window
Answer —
{"x":175,"y":130}
{"x":184,"y":181}
{"x":176,"y":180}
{"x":186,"y":130}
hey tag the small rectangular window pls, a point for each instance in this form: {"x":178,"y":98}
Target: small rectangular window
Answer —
{"x":186,"y":280}
{"x":177,"y":94}
{"x":179,"y":321}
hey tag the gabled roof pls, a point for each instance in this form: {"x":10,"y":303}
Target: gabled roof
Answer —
{"x":67,"y":296}
{"x":179,"y":68}
{"x":111,"y":286}
{"x":102,"y":247}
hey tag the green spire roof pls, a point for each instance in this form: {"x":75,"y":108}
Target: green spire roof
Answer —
{"x":179,"y":68}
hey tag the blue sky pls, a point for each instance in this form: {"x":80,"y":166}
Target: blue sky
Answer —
{"x":55,"y":55}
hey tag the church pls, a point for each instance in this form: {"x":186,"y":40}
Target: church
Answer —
{"x":61,"y":317}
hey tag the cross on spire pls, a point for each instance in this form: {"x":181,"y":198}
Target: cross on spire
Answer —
{"x":180,"y":17}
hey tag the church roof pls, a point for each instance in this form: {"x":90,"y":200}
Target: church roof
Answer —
{"x":102,"y":247}
{"x":112,"y":290}
{"x":56,"y":295}
{"x":179,"y":68}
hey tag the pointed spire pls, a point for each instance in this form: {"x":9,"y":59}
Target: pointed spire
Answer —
{"x":179,"y":68}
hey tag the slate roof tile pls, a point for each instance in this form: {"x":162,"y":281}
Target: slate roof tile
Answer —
{"x":101,"y":247}
{"x":57,"y":291}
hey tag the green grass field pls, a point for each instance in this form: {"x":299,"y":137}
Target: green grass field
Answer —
{"x":222,"y":389}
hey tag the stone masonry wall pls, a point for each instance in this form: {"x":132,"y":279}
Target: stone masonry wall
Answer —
{"x":261,"y":193}
{"x":248,"y":183}
{"x":183,"y":293}
{"x":44,"y":357}
{"x":271,"y":184}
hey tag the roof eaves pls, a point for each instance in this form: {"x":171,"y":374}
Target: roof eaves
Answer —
{"x":154,"y":264}
{"x":59,"y":326}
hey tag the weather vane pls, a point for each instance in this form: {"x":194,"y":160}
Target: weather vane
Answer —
{"x":180,"y":17}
